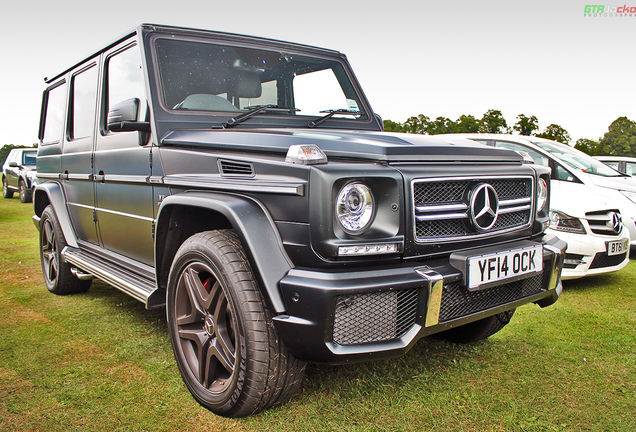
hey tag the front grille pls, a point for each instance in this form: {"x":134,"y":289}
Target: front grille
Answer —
{"x":374,"y":317}
{"x":602,"y":222}
{"x":442,"y":207}
{"x":458,"y":302}
{"x":602,"y":260}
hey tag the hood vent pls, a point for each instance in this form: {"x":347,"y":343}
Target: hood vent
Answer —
{"x":234,"y":168}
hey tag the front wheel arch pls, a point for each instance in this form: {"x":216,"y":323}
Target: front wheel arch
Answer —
{"x":249,"y":220}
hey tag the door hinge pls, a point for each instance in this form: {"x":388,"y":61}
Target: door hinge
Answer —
{"x":94,"y":216}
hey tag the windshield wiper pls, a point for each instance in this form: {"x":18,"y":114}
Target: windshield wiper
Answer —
{"x":255,"y":110}
{"x":331,"y":113}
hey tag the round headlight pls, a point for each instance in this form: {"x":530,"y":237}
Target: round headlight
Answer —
{"x":542,"y":193}
{"x":354,"y":208}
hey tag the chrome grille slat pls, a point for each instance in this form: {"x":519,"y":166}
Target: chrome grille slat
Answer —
{"x":600,"y":222}
{"x":441,"y":210}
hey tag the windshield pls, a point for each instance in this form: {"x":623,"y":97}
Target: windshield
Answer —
{"x":577,"y":159}
{"x":200,"y":76}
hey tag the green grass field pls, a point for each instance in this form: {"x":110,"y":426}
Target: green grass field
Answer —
{"x":100,"y":362}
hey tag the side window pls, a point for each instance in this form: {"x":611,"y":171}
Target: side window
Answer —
{"x":330,"y":96}
{"x":84,"y":99}
{"x":612,"y":164}
{"x":28,"y":158}
{"x":126,"y":80}
{"x":560,"y":173}
{"x":54,"y":109}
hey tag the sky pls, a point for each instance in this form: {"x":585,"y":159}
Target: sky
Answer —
{"x":437,"y":58}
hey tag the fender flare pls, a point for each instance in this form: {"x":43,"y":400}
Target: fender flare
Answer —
{"x":51,"y":193}
{"x":256,"y":230}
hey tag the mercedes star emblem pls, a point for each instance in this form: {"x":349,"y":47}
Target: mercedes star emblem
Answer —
{"x":617,"y":222}
{"x":484,"y":207}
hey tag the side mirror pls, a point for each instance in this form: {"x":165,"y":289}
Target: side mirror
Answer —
{"x":14,"y":165}
{"x":122,"y":117}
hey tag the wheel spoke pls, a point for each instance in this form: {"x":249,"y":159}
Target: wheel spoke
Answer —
{"x":223,"y":344}
{"x":49,"y":235}
{"x":201,"y":341}
{"x":194,"y":288}
{"x":216,"y":295}
{"x":49,"y":256}
{"x":223,"y":350}
{"x":52,"y":267}
{"x":209,"y":363}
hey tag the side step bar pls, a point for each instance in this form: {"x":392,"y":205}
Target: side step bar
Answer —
{"x":133,"y":284}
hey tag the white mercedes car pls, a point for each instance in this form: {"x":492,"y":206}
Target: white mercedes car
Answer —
{"x":597,"y":221}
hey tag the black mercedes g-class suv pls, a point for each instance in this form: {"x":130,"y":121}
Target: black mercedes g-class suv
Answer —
{"x":246,"y":185}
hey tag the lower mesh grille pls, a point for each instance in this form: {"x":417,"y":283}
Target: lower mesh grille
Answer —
{"x":457,"y":301}
{"x":374,"y":317}
{"x":602,"y":260}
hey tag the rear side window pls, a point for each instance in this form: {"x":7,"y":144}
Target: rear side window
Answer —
{"x":84,"y":102}
{"x":54,"y":109}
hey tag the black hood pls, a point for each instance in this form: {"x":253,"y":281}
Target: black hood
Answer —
{"x":376,"y":146}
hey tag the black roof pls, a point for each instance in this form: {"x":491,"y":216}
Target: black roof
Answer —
{"x":152,"y":28}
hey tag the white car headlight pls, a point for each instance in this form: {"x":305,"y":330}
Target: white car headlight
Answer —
{"x":355,"y":207}
{"x":561,"y":222}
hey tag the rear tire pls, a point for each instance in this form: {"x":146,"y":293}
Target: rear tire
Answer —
{"x":57,"y":274}
{"x":478,"y":330}
{"x":6,"y":192}
{"x":222,"y":334}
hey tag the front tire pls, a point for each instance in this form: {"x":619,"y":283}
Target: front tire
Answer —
{"x":24,"y":192}
{"x":478,"y":330}
{"x":222,"y":334}
{"x":57,"y":274}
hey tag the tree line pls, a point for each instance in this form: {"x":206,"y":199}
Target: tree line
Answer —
{"x":491,"y":122}
{"x":619,"y":140}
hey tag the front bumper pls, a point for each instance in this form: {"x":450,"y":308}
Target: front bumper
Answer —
{"x":338,"y":316}
{"x":588,"y":255}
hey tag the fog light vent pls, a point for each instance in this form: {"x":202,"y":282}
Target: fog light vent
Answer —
{"x":374,"y":317}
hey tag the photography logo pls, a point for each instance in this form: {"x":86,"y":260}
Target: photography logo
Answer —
{"x":607,"y":11}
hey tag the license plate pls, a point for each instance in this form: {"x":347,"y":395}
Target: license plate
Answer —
{"x":486,"y":270}
{"x":617,"y":247}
